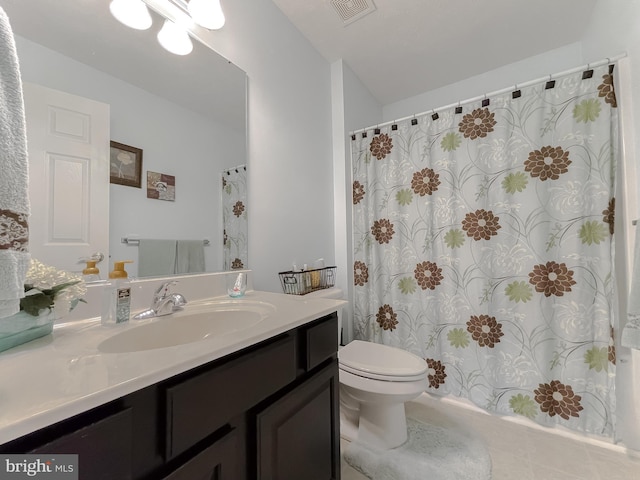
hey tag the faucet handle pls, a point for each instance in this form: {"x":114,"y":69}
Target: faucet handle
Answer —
{"x":163,"y":290}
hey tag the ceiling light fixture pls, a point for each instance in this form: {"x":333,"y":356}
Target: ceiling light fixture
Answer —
{"x":207,"y":13}
{"x":175,"y":39}
{"x":133,"y":13}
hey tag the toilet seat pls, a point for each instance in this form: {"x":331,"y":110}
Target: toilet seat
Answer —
{"x":381,"y":362}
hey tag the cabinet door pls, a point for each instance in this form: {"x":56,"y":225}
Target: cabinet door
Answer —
{"x":103,"y":448}
{"x":219,"y":461}
{"x":200,"y":405}
{"x":298,"y":436}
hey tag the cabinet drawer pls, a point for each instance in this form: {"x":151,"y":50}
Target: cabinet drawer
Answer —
{"x":218,"y":461}
{"x":199,"y":406}
{"x":99,"y":456}
{"x":321,"y":342}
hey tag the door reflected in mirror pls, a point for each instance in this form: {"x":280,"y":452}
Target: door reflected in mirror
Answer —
{"x":186,"y":113}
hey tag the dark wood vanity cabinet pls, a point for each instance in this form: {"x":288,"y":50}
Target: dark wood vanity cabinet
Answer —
{"x":267,"y":412}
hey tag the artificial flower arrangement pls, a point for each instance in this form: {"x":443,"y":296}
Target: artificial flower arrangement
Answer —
{"x":46,"y":287}
{"x":49,"y":294}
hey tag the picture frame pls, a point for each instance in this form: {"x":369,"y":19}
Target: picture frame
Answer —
{"x":125,"y":165}
{"x":161,"y":186}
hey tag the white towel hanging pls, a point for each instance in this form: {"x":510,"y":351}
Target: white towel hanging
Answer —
{"x":14,"y":180}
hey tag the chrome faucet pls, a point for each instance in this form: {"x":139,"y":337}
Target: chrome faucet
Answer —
{"x":163,"y":302}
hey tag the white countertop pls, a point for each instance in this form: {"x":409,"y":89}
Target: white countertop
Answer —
{"x":63,"y":374}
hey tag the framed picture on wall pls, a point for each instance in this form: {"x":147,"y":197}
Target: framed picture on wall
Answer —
{"x":125,"y":165}
{"x":161,"y":186}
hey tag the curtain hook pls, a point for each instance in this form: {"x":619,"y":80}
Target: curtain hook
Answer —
{"x":516,"y":93}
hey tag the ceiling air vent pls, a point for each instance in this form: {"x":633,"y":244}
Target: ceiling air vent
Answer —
{"x":352,"y":10}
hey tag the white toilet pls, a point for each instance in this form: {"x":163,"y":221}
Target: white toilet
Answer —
{"x":375,"y":382}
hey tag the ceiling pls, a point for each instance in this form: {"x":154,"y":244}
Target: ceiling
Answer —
{"x":85,"y":30}
{"x":407,"y":47}
{"x":401,"y":49}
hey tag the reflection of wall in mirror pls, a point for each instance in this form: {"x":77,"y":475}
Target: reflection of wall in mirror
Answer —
{"x":176,"y":141}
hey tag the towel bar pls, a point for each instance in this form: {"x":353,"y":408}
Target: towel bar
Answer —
{"x":136,"y":241}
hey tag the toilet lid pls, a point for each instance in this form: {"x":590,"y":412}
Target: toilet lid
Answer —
{"x":373,"y":360}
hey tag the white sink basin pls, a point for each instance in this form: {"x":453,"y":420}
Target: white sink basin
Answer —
{"x":191,"y":325}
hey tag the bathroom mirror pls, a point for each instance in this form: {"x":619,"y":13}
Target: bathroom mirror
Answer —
{"x":81,"y":49}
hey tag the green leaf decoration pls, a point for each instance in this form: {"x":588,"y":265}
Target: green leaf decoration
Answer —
{"x":32,"y":304}
{"x":450,"y":142}
{"x":407,"y":285}
{"x":458,"y":338}
{"x":454,"y":238}
{"x":587,"y":110}
{"x":404,"y":197}
{"x":519,"y":292}
{"x":523,"y":405}
{"x":515,"y":182}
{"x":597,"y":358}
{"x":593,"y":232}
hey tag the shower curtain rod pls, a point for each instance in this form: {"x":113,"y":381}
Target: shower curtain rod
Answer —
{"x":498,"y":92}
{"x":229,"y":170}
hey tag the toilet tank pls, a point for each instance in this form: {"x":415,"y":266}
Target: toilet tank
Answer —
{"x":335,"y":293}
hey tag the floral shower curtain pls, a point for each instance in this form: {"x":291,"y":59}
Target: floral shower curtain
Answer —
{"x":234,"y":218}
{"x":483,"y":242}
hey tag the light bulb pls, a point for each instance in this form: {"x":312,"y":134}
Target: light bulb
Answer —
{"x":207,"y":13}
{"x":174,"y":39}
{"x":133,"y":13}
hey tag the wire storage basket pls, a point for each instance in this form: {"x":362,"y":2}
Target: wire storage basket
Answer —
{"x":307,"y":281}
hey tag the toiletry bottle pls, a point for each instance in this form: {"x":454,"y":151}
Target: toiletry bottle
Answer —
{"x":316,"y":277}
{"x":306,"y":279}
{"x":91,"y":272}
{"x":116,"y":300}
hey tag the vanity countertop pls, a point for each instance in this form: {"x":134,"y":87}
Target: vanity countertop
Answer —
{"x":64,"y":374}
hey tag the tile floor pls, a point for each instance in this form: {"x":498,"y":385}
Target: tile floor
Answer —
{"x":520,"y":452}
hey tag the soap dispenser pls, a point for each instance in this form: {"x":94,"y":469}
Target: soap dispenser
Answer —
{"x":116,"y":300}
{"x":91,"y":272}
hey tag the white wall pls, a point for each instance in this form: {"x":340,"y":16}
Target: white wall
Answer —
{"x":290,"y":170}
{"x":528,"y":69}
{"x":174,"y":141}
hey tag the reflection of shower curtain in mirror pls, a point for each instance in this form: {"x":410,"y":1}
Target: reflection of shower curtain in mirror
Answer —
{"x":234,"y":217}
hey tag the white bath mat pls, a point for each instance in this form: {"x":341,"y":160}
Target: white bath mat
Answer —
{"x":431,"y":452}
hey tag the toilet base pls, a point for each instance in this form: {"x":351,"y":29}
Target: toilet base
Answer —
{"x":378,"y":426}
{"x":382,"y":426}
